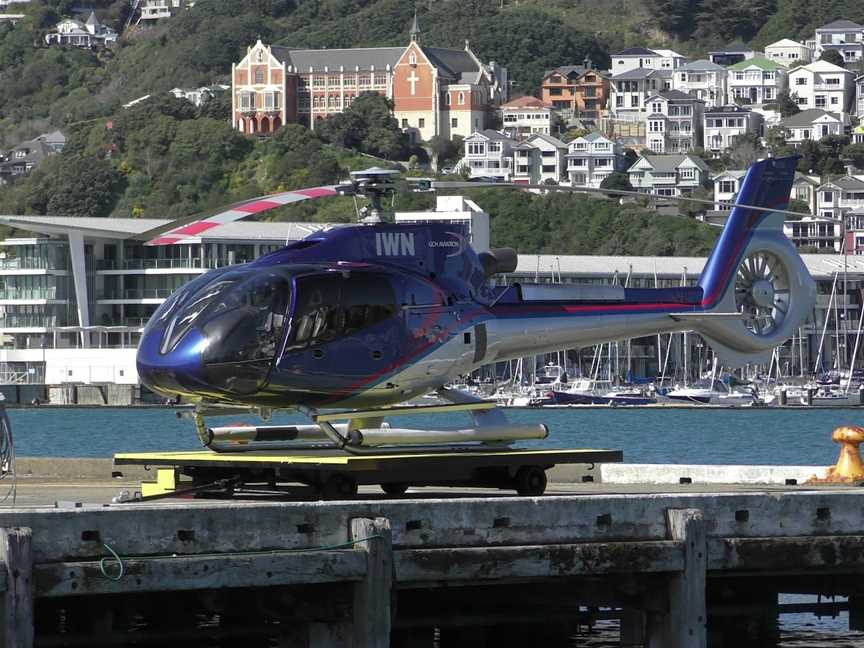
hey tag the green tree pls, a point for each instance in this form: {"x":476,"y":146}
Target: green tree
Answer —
{"x":832,"y":56}
{"x":617,"y":180}
{"x":786,"y":106}
{"x":855,"y":153}
{"x":368,"y":126}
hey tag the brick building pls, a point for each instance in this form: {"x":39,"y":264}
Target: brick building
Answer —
{"x":435,"y":91}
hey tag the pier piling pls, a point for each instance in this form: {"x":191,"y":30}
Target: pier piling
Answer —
{"x":372,"y":594}
{"x":16,"y":556}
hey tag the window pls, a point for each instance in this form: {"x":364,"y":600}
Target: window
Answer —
{"x":727,"y":186}
{"x":272,"y":101}
{"x":555,"y":79}
{"x":828,"y":196}
{"x":319,"y":80}
{"x":365,"y":80}
{"x":247,"y":101}
{"x":447,"y":98}
{"x":801,"y":81}
{"x":634,"y":102}
{"x":688,"y":174}
{"x":380,"y":79}
{"x":334,"y":101}
{"x":619,"y":101}
{"x":259,"y":74}
{"x":454,"y":122}
{"x":331,"y":307}
{"x":555,"y":92}
{"x":834,"y":101}
{"x":602,"y":162}
{"x":461,"y":99}
{"x":832,"y":81}
{"x":421,"y":123}
{"x":805,"y":134}
{"x":412,"y":58}
{"x":820,"y":101}
{"x":494,"y":147}
{"x":404,"y":123}
{"x":656,"y":107}
{"x":769,"y":93}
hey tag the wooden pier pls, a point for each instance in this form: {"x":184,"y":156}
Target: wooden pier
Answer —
{"x":482,"y":571}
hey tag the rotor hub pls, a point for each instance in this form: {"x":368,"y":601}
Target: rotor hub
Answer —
{"x":763,"y":293}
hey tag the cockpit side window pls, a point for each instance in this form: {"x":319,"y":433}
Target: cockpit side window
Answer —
{"x":331,"y":306}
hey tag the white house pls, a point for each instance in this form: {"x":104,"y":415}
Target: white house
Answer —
{"x":755,"y":81}
{"x":822,"y":85}
{"x":813,"y":124}
{"x":525,"y":116}
{"x":859,"y":96}
{"x":87,"y":34}
{"x":787,"y":51}
{"x":726,"y":187}
{"x":668,"y":175}
{"x":630,"y":91}
{"x":199,"y":96}
{"x":843,"y":36}
{"x":153,"y":10}
{"x":674,"y":122}
{"x":592,"y":158}
{"x":489,"y":154}
{"x":702,"y":79}
{"x":670,"y":59}
{"x":723,"y":125}
{"x":539,"y":159}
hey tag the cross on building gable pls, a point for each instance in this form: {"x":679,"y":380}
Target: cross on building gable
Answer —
{"x":413,"y":79}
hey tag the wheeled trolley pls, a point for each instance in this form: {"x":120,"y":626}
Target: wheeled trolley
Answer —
{"x":336,"y":475}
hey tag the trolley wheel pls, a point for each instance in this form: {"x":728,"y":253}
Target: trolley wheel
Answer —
{"x":530,"y":480}
{"x":395,"y":488}
{"x":339,"y":487}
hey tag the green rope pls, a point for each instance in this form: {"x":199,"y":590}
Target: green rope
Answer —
{"x":119,"y":561}
{"x":272,"y":552}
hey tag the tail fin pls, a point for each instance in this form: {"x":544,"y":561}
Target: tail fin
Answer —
{"x":755,"y":271}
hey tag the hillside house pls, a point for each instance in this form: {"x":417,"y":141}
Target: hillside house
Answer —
{"x":668,"y":175}
{"x":592,"y":158}
{"x":674,"y":122}
{"x":733,"y":53}
{"x":755,"y":81}
{"x":89,"y":34}
{"x":822,"y":85}
{"x":631,"y":90}
{"x":843,"y":36}
{"x":813,"y":124}
{"x":723,"y":125}
{"x":527,"y":115}
{"x":539,"y":160}
{"x":787,"y":52}
{"x":576,"y":91}
{"x":489,"y":154}
{"x":704,"y":80}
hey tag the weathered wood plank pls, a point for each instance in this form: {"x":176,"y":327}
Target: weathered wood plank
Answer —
{"x":16,"y":616}
{"x":199,"y":572}
{"x":685,"y":623}
{"x":791,"y":555}
{"x":218,"y":527}
{"x":372,"y":594}
{"x":468,"y":565}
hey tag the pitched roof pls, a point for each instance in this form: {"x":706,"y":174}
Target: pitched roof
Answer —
{"x":821,"y":66}
{"x":554,"y":141}
{"x":93,"y":20}
{"x":701,"y":65}
{"x":756,"y":61}
{"x":730,"y":173}
{"x":671,"y":162}
{"x":724,"y":110}
{"x":840,"y":24}
{"x":526,"y":102}
{"x":364,"y":58}
{"x":459,"y":64}
{"x":785,"y":42}
{"x":848,"y":183}
{"x":594,"y":136}
{"x":806,"y":118}
{"x":677,"y":95}
{"x":635,"y":51}
{"x":565,"y":70}
{"x":492,"y":134}
{"x":635,"y":73}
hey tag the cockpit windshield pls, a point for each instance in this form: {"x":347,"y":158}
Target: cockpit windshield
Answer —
{"x":240,"y":314}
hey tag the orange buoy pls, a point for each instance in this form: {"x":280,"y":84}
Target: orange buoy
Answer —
{"x":848,"y":467}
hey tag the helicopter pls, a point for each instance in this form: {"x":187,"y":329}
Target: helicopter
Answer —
{"x":362,"y":318}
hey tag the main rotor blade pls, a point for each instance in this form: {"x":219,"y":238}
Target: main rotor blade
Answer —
{"x":181,"y":229}
{"x":458,"y":184}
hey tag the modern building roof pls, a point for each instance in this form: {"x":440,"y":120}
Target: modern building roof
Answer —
{"x":757,"y":61}
{"x":636,"y":51}
{"x":806,"y":118}
{"x":840,"y":24}
{"x":702,"y":65}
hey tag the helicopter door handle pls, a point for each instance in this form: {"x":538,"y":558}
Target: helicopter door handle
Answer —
{"x":318,"y":354}
{"x":376,"y":355}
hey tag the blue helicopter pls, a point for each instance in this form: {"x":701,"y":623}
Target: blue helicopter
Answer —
{"x":362,"y":318}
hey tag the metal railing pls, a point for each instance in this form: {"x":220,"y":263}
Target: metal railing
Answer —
{"x":28,"y":293}
{"x":143,"y":264}
{"x":137,"y":293}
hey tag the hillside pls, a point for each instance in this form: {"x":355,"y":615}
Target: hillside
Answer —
{"x":166,"y":159}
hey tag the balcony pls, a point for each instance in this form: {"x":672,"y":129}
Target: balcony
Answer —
{"x":136,"y":294}
{"x":28,"y":264}
{"x":27,"y":293}
{"x":28,"y":321}
{"x":147,"y":264}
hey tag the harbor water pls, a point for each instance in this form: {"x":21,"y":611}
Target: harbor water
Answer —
{"x":646,"y":435}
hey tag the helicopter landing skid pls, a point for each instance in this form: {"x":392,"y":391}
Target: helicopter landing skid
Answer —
{"x":366,"y":432}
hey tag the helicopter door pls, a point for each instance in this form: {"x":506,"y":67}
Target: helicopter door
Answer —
{"x":344,"y":327}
